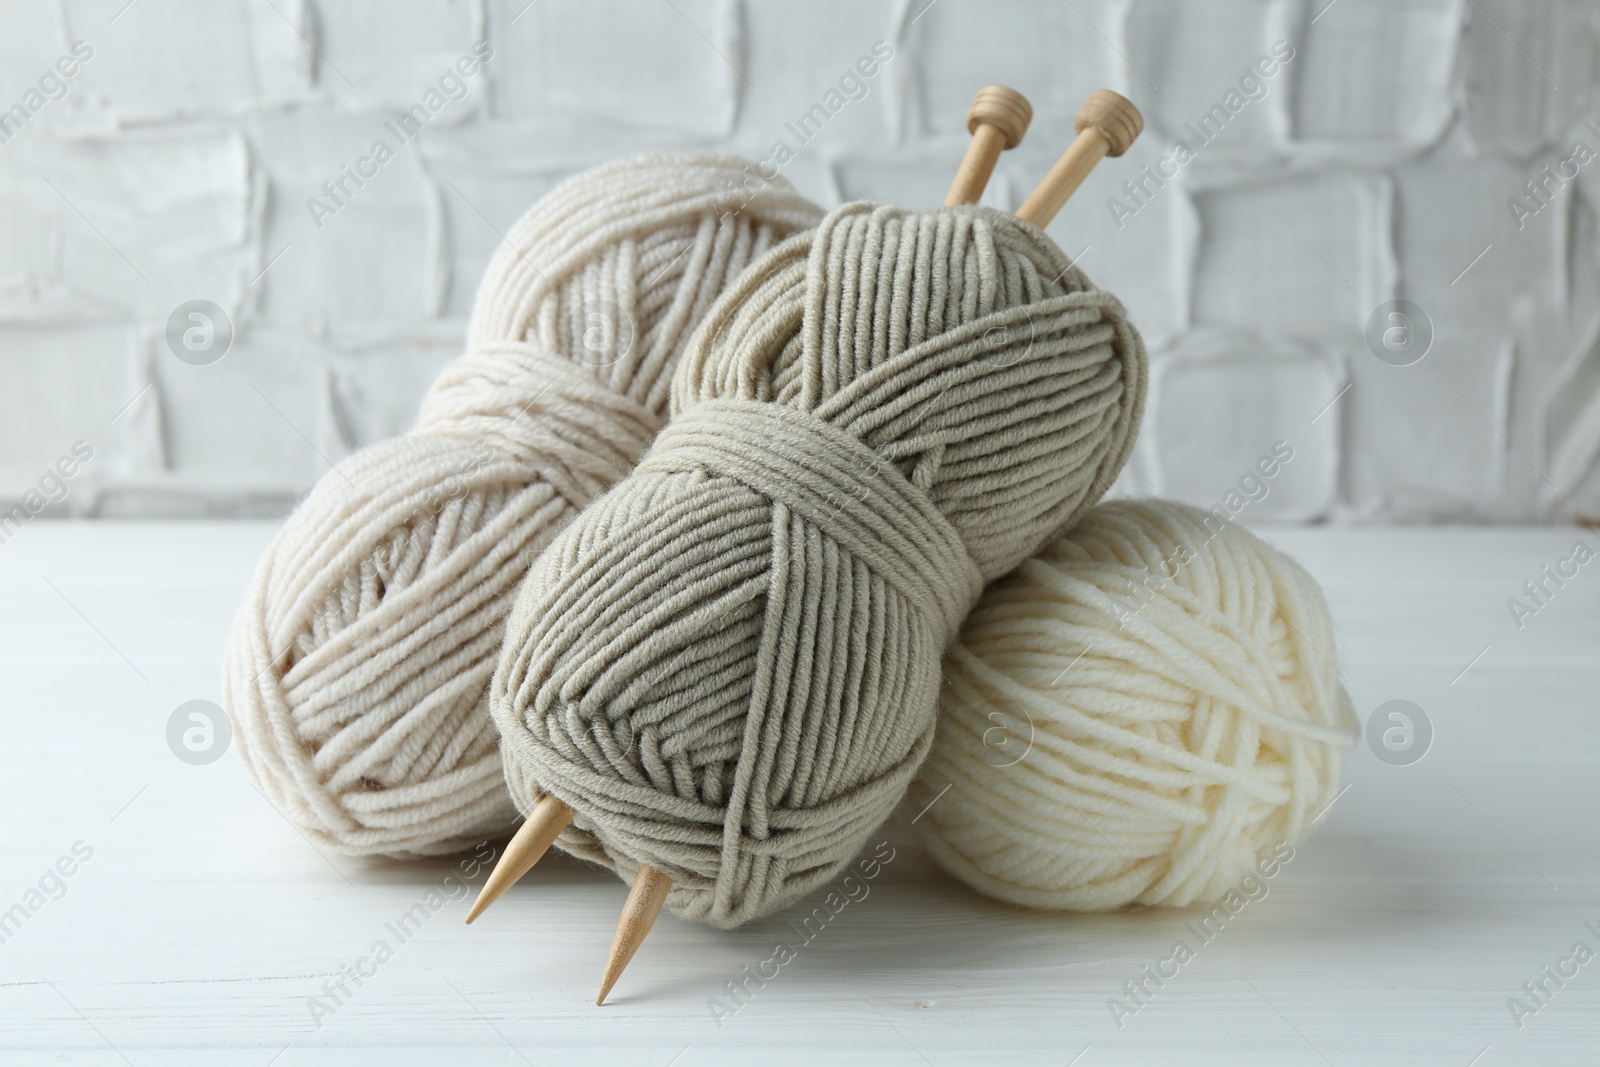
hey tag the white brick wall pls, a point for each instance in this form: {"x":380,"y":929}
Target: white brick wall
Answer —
{"x":1375,"y":165}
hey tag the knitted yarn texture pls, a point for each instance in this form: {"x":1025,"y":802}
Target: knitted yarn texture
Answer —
{"x":1135,"y":716}
{"x":729,"y":664}
{"x":358,"y":666}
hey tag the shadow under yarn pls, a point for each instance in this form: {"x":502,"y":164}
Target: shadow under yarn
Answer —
{"x":729,"y":664}
{"x":358,"y":666}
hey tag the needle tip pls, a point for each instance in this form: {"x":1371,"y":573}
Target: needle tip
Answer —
{"x":548,"y":818}
{"x":649,"y":893}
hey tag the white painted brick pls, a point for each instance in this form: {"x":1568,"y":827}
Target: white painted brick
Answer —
{"x":1529,"y":70}
{"x":1448,"y":213}
{"x":659,"y":66}
{"x":134,"y":225}
{"x":29,"y":49}
{"x":1564,"y":425}
{"x":167,"y":60}
{"x":260,"y":417}
{"x":1223,"y":401}
{"x":1377,"y":76}
{"x":376,"y":266}
{"x":1560,"y":413}
{"x":1306,"y":254}
{"x":1201,"y":52}
{"x":1451,"y":215}
{"x":385,"y":54}
{"x":1424,"y":443}
{"x":63,"y":383}
{"x":1448,"y":216}
{"x":800,"y":64}
{"x":1056,"y":55}
{"x":284,"y":52}
{"x":1568,"y":438}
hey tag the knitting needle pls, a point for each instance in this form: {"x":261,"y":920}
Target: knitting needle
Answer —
{"x":997,"y":120}
{"x":1106,"y":126}
{"x":649,"y":892}
{"x":544,"y":824}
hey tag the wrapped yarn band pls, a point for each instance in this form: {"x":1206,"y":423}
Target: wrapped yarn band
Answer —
{"x":827,"y":479}
{"x":544,"y":410}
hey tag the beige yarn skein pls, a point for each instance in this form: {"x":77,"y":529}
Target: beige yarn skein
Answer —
{"x":1137,"y":715}
{"x":358,"y":667}
{"x":728,"y":666}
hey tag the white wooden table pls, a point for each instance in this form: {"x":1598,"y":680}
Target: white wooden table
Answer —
{"x":203,"y":926}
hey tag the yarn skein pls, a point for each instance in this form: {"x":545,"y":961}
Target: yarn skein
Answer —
{"x":358,"y":666}
{"x":1135,"y":716}
{"x":728,"y":666}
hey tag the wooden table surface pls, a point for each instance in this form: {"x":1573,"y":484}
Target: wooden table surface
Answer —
{"x":197,"y":926}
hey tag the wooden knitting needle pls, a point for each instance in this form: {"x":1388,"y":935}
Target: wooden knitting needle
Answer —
{"x":997,"y":120}
{"x":644,"y":902}
{"x":527,"y":847}
{"x":1106,"y":126}
{"x":543,"y":825}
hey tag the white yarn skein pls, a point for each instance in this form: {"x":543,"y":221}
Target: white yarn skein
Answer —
{"x":1134,"y":716}
{"x":357,"y":671}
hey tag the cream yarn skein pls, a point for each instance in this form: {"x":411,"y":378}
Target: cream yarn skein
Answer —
{"x":728,"y":666}
{"x":1134,"y":716}
{"x":357,"y":670}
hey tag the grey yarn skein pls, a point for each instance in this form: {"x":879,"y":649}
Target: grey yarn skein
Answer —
{"x":357,"y":670}
{"x":729,"y":664}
